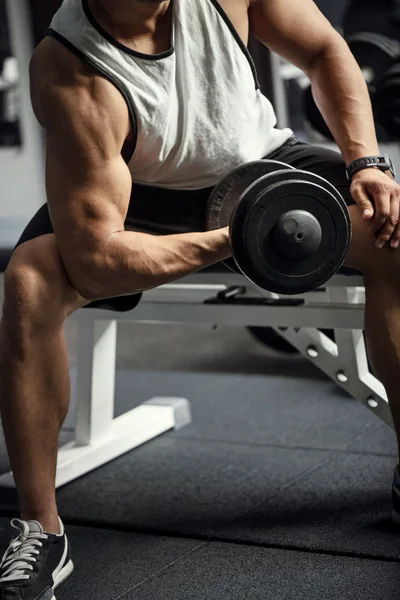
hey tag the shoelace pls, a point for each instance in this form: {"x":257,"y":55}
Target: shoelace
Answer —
{"x":21,"y":554}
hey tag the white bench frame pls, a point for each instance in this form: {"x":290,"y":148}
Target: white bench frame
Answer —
{"x":340,"y":306}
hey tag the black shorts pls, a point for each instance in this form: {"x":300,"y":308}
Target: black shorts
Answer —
{"x":161,"y":211}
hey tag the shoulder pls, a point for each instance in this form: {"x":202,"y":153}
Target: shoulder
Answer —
{"x":62,"y":80}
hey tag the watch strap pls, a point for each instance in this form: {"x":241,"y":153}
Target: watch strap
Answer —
{"x":381,"y":162}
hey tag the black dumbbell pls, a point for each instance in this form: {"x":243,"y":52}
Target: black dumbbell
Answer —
{"x":290,"y":230}
{"x":375,"y":54}
{"x":378,"y":57}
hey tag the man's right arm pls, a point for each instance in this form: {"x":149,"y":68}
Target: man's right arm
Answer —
{"x":89,"y":190}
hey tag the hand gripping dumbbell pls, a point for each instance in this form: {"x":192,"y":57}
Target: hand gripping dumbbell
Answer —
{"x":290,"y":230}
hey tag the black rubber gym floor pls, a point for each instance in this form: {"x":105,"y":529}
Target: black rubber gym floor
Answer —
{"x":279,"y":489}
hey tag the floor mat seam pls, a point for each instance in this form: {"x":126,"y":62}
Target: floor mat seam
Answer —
{"x":282,"y":447}
{"x":162,"y":570}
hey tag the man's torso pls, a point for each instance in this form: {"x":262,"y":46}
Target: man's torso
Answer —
{"x":232,"y":122}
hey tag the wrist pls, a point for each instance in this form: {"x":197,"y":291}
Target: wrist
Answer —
{"x":356,"y":152}
{"x":225,"y":246}
{"x":360,"y":174}
{"x":217,"y":245}
{"x":382,"y":163}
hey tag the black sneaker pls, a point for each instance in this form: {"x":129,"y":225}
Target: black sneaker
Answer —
{"x":396,"y":495}
{"x":35,"y":563}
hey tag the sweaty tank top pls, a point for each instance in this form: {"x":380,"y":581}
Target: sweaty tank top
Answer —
{"x":197,"y":110}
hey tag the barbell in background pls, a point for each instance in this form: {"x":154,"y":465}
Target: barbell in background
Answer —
{"x":290,"y":230}
{"x":374,"y":53}
{"x":379,"y":60}
{"x":387,"y":101}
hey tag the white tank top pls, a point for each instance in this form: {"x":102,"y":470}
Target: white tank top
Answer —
{"x":197,"y":109}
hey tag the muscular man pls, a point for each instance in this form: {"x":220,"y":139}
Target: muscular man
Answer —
{"x":145,"y":105}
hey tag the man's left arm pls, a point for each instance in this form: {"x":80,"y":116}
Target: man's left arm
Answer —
{"x":298,"y":31}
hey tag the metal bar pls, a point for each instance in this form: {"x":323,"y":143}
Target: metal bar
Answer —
{"x":322,"y":317}
{"x":345,"y":363}
{"x":127,"y":432}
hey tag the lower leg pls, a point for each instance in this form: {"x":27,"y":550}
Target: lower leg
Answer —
{"x":381,"y":270}
{"x":34,"y":403}
{"x":382,"y":329}
{"x":35,"y":388}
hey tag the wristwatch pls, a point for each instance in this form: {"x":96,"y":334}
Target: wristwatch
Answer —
{"x":383,"y":163}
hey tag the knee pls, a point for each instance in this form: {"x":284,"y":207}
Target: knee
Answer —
{"x":376,"y":264}
{"x":37,"y":293}
{"x":380,"y":265}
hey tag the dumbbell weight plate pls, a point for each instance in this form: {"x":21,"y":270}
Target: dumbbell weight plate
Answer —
{"x":388,"y":101}
{"x":227,"y":192}
{"x":253,"y":232}
{"x":304,"y":176}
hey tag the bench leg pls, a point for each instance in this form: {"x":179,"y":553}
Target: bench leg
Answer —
{"x":99,"y":437}
{"x":345,"y":360}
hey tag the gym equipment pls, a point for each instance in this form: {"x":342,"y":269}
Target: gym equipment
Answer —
{"x":387,"y":101}
{"x":10,"y":131}
{"x":268,"y":337}
{"x":199,"y":299}
{"x":273,"y":340}
{"x":374,"y":53}
{"x":205,"y":298}
{"x":370,"y":15}
{"x":290,"y":230}
{"x":99,"y":436}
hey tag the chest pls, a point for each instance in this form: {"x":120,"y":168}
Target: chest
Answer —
{"x":160,"y":41}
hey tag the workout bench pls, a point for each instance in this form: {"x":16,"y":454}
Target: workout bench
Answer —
{"x":215,"y":296}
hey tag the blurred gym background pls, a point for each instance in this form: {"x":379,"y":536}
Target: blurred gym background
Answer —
{"x":278,"y":458}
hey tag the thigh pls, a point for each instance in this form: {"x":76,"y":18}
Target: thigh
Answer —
{"x":36,"y":274}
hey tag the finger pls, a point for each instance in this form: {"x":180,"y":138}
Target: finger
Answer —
{"x":363,"y":201}
{"x":382,"y":211}
{"x":386,"y":233}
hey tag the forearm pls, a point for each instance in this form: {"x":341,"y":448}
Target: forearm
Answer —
{"x":131,"y":262}
{"x":342,"y":96}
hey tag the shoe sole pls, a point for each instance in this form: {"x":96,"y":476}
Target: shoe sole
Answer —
{"x":63,"y":575}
